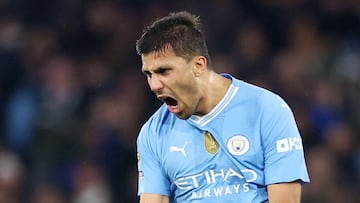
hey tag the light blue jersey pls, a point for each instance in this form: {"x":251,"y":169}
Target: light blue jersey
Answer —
{"x":248,"y":141}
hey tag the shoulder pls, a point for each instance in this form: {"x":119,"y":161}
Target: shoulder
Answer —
{"x":249,"y":90}
{"x":156,"y":126}
{"x":265,"y":98}
{"x":260,"y":96}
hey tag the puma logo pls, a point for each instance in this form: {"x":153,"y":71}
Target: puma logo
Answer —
{"x":179,"y":149}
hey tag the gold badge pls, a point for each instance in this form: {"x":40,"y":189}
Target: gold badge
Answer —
{"x":211,"y":145}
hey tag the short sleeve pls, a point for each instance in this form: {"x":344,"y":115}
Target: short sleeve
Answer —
{"x":282,"y":143}
{"x":152,"y":178}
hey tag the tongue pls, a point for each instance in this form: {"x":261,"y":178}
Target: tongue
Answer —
{"x":173,"y":109}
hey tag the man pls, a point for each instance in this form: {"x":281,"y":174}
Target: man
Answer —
{"x":216,"y":139}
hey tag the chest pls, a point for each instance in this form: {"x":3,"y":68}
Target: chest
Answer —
{"x":213,"y":152}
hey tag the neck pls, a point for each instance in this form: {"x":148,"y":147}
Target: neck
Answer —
{"x":214,"y":89}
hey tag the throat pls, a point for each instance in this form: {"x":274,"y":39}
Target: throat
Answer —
{"x":213,"y":98}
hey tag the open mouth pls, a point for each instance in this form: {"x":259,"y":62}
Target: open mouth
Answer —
{"x":172,"y":104}
{"x":170,"y":101}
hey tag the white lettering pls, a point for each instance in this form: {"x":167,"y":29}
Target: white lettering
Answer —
{"x":231,"y":173}
{"x":207,"y":192}
{"x":250,"y":178}
{"x":182,"y":182}
{"x":236,"y":187}
{"x":288,"y":144}
{"x":207,"y":176}
{"x":214,"y":175}
{"x":246,"y":187}
{"x":228,"y":191}
{"x":218,"y":191}
{"x":295,"y":143}
{"x":282,"y":145}
{"x":194,"y":179}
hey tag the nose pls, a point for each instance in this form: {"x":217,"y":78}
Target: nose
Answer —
{"x":155,"y":83}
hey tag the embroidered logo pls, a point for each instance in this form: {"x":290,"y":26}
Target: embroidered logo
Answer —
{"x":179,"y":149}
{"x":211,"y":145}
{"x":141,"y":175}
{"x":238,"y":145}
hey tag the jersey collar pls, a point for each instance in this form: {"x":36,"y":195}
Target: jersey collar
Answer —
{"x":203,"y":120}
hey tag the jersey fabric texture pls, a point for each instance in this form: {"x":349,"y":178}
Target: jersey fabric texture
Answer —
{"x":249,"y":140}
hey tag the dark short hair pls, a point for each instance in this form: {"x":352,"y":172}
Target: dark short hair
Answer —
{"x":180,"y":30}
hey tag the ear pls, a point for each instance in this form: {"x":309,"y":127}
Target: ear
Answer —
{"x":200,"y":65}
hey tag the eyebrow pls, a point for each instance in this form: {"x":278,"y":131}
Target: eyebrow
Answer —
{"x":158,"y":69}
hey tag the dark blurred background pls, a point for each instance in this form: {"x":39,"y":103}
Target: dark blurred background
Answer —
{"x":72,"y":96}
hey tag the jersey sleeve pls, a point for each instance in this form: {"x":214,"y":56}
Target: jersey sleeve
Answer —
{"x":152,"y":178}
{"x":282,"y":143}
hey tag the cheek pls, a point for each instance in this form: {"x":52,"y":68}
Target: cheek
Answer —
{"x":185,"y":84}
{"x":188,"y":92}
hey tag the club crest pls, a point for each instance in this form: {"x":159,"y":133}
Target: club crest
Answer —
{"x":238,"y":145}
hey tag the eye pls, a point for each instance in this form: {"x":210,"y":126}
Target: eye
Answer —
{"x":147,"y":74}
{"x":162,"y":70}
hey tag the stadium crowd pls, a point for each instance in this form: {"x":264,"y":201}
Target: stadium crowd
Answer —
{"x":72,"y":95}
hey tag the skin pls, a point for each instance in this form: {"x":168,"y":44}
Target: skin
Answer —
{"x":284,"y":192}
{"x":197,"y":90}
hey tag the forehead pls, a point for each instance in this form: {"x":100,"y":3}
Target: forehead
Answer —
{"x":163,"y":57}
